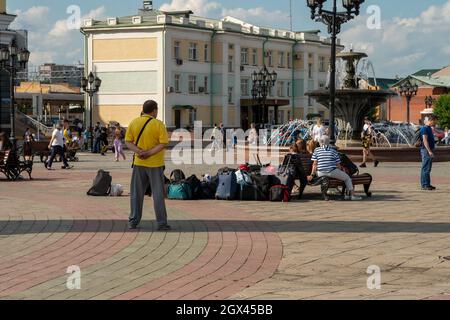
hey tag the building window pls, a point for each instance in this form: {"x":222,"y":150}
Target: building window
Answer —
{"x":289,"y":60}
{"x":280,"y":88}
{"x":244,"y":87}
{"x":193,"y":51}
{"x":310,"y":102}
{"x":176,"y":50}
{"x":271,"y":91}
{"x":230,"y":95}
{"x":177,"y":83}
{"x":192,"y":84}
{"x":322,"y":64}
{"x":255,"y":57}
{"x":310,"y":70}
{"x":321,"y":84}
{"x":270,"y":58}
{"x":244,"y":56}
{"x":192,"y":116}
{"x":206,"y":53}
{"x":230,"y":63}
{"x":281,"y":57}
{"x":205,"y":84}
{"x":288,"y":89}
{"x":231,"y":46}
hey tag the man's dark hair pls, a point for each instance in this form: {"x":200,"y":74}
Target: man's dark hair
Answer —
{"x":65,"y":121}
{"x":433,"y":117}
{"x":149,"y":106}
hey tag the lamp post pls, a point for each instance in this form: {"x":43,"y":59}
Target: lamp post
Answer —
{"x":263,"y":81}
{"x":91,"y":85}
{"x":13,"y":59}
{"x":408,"y":90}
{"x":333,"y":19}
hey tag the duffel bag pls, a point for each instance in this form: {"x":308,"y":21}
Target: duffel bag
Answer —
{"x":280,"y":193}
{"x":179,"y":191}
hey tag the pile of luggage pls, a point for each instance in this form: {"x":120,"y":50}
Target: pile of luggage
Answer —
{"x":248,"y":183}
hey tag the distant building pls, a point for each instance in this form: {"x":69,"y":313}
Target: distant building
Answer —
{"x":431,"y":82}
{"x":55,"y":73}
{"x":7,"y":36}
{"x":200,"y":69}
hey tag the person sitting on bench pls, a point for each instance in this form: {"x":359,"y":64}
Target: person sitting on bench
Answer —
{"x":326,"y":163}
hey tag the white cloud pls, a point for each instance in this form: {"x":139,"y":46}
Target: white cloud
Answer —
{"x":404,"y":45}
{"x":34,"y":17}
{"x":213,"y":9}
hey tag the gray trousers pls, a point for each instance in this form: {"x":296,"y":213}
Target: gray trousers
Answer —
{"x":339,"y":175}
{"x":142,"y":178}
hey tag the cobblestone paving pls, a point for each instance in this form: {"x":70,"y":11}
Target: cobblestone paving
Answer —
{"x":307,"y":249}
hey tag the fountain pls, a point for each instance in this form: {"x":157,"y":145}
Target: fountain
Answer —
{"x":354,"y":97}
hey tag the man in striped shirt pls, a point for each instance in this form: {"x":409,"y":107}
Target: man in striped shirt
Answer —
{"x":326,"y":163}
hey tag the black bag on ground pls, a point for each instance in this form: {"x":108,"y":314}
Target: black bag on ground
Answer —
{"x":350,"y":168}
{"x":195,"y":184}
{"x":177,"y":175}
{"x":263,"y":183}
{"x":227,"y":188}
{"x":249,"y":192}
{"x":207,"y":191}
{"x":102,"y":184}
{"x":280,"y":193}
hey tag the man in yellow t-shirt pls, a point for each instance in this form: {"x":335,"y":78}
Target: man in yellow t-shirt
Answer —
{"x":148,"y":166}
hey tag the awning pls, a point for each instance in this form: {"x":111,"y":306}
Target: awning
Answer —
{"x":187,"y":107}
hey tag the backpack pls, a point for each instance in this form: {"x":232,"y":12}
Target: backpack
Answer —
{"x":263,"y":183}
{"x":195,"y":184}
{"x":102,"y":185}
{"x":417,"y":140}
{"x":350,"y":168}
{"x":280,"y":193}
{"x":177,"y":175}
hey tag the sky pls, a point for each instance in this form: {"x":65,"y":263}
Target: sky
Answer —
{"x":400,"y":36}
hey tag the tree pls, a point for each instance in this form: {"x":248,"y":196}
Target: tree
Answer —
{"x":442,"y":110}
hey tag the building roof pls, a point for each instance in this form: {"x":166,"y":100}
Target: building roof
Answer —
{"x":425,"y":72}
{"x":445,"y":72}
{"x":426,"y":81}
{"x":383,"y":83}
{"x":184,"y":19}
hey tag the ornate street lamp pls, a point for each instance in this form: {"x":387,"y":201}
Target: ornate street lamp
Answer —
{"x":334,"y":19}
{"x":263,"y":81}
{"x":408,"y":90}
{"x":91,"y":85}
{"x":13,"y":59}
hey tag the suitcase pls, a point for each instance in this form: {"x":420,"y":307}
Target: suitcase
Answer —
{"x":249,"y":192}
{"x":280,"y":193}
{"x":227,"y":188}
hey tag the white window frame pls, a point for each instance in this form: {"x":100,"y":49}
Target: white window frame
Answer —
{"x":269,"y":58}
{"x":193,"y":51}
{"x":192,"y":84}
{"x":176,"y":82}
{"x":244,"y":56}
{"x":231,"y":64}
{"x":206,"y":52}
{"x":280,"y":88}
{"x":255,"y":57}
{"x":230,"y":95}
{"x":322,"y":64}
{"x":310,"y":71}
{"x":245,"y":87}
{"x":289,"y":60}
{"x":281,"y":57}
{"x":176,"y":50}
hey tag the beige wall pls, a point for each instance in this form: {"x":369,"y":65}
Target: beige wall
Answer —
{"x":184,"y":50}
{"x":123,"y":114}
{"x":299,"y":64}
{"x":125,"y":49}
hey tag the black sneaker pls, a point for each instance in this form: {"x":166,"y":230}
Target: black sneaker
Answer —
{"x":164,"y":227}
{"x":428,"y":189}
{"x":67,"y":168}
{"x":45,"y":164}
{"x":376,"y":163}
{"x":433,"y":187}
{"x":132,"y":226}
{"x":363,"y":165}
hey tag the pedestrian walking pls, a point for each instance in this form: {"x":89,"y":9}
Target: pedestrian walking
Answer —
{"x":57,"y":148}
{"x":253,"y":135}
{"x":118,"y":148}
{"x":147,"y":137}
{"x":215,"y":137}
{"x":366,"y":136}
{"x":427,"y":153}
{"x":97,"y":141}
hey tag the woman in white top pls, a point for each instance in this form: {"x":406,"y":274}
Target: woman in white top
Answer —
{"x":447,"y":136}
{"x":318,"y":131}
{"x":253,"y":135}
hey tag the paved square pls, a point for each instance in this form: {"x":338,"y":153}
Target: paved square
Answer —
{"x":220,"y":250}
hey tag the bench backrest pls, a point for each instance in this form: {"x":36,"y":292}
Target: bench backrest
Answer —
{"x":302,"y":161}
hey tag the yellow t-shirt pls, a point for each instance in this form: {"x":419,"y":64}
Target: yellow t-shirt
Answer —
{"x":154,"y":134}
{"x":66,"y":136}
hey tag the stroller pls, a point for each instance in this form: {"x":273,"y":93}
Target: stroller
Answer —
{"x":71,"y":151}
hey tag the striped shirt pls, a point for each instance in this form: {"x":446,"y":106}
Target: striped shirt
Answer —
{"x":327,"y":159}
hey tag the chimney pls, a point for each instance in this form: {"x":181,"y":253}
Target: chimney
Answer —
{"x":2,"y":6}
{"x":147,"y":8}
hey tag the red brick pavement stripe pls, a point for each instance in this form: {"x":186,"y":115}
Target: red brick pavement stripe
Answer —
{"x":82,"y":246}
{"x":233,"y":259}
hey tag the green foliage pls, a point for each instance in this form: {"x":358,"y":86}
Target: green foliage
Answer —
{"x":442,"y":110}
